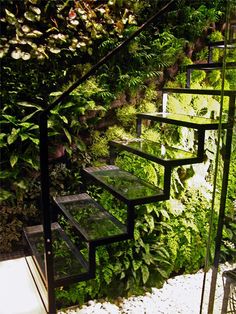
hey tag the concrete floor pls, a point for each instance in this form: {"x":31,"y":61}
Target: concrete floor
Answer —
{"x":18,"y":293}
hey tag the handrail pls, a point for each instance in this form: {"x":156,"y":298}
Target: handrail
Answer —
{"x":105,"y":59}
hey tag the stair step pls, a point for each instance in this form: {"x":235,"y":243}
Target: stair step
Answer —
{"x":221,"y":44}
{"x":91,"y":220}
{"x":159,"y":153}
{"x":69,"y":264}
{"x":124,"y":185}
{"x":211,"y":66}
{"x":195,"y":122}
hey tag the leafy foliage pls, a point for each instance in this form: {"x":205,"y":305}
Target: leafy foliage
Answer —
{"x":55,"y":42}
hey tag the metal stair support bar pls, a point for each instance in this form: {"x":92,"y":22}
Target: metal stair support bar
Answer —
{"x":206,"y":67}
{"x":44,"y":169}
{"x":220,"y":224}
{"x":200,"y":124}
{"x":220,"y":45}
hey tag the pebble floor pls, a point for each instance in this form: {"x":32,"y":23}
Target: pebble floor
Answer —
{"x":179,"y":295}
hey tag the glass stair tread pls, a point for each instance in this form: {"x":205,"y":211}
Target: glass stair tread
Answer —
{"x":124,"y":185}
{"x":211,"y":66}
{"x":68,"y":263}
{"x":195,"y":122}
{"x":90,"y":219}
{"x":162,"y":154}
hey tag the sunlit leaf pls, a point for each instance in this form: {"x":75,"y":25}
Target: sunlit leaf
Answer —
{"x":25,"y":56}
{"x":16,"y":54}
{"x":21,"y":185}
{"x":56,"y":94}
{"x":4,"y":195}
{"x":145,"y":273}
{"x":10,"y":17}
{"x":67,"y":135}
{"x":54,"y":50}
{"x":64,"y":119}
{"x":36,"y":10}
{"x":25,"y":28}
{"x":13,"y":136}
{"x":30,"y":16}
{"x":34,"y":140}
{"x":10,"y":118}
{"x":13,"y":159}
{"x":28,"y":104}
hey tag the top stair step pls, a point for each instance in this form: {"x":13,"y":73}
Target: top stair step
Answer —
{"x":195,"y":122}
{"x":124,"y":185}
{"x":90,"y":219}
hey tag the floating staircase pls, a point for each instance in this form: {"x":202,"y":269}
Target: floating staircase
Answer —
{"x":93,"y":224}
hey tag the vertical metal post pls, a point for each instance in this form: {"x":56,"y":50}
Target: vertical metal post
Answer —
{"x":92,"y":260}
{"x":201,"y":142}
{"x":130,"y":220}
{"x":46,"y":213}
{"x":189,"y":71}
{"x":167,"y":181}
{"x":209,"y":54}
{"x":139,"y":126}
{"x":226,"y":167}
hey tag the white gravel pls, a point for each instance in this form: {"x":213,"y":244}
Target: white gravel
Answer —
{"x":180,"y":294}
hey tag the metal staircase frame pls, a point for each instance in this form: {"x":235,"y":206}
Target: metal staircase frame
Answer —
{"x":44,"y":167}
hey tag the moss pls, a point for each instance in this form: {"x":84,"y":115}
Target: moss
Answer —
{"x":117,"y":133}
{"x":99,"y":147}
{"x":126,"y":115}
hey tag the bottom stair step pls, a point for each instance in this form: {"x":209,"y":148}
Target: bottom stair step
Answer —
{"x":90,"y":219}
{"x":124,"y":185}
{"x":69,"y":264}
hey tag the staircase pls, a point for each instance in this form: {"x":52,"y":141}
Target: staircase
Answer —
{"x":93,"y":224}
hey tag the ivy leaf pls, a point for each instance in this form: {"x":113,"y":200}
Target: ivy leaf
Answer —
{"x":11,"y":18}
{"x":30,"y":16}
{"x":67,"y":135}
{"x":13,"y":159}
{"x":21,"y":185}
{"x":36,"y":10}
{"x":136,"y":264}
{"x":2,"y":142}
{"x":107,"y":274}
{"x":29,"y":116}
{"x":34,"y":140}
{"x":145,"y":273}
{"x":13,"y":136}
{"x":4,"y":195}
{"x":5,"y":174}
{"x":150,"y":220}
{"x":54,"y":50}
{"x":64,"y":119}
{"x":10,"y":118}
{"x":162,"y":272}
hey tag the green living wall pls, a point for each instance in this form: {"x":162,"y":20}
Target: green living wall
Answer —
{"x":46,"y":46}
